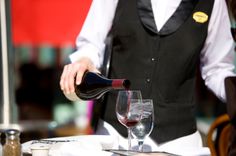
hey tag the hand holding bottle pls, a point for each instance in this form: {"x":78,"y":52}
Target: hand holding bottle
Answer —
{"x":94,"y":86}
{"x":74,"y":72}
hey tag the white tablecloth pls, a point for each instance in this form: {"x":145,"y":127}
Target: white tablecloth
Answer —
{"x":108,"y":138}
{"x":93,"y":145}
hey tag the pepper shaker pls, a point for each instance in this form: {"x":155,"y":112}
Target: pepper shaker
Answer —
{"x":12,"y":146}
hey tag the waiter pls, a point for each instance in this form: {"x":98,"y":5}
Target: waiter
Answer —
{"x":158,"y":45}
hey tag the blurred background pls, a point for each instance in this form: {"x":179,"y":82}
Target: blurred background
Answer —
{"x":42,"y":34}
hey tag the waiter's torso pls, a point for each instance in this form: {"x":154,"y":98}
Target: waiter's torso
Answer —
{"x":162,"y":64}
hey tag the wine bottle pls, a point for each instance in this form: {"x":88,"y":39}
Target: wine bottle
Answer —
{"x":94,"y":86}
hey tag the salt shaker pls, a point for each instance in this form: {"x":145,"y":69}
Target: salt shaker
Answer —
{"x":12,"y":146}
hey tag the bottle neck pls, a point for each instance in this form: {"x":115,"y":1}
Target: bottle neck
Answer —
{"x":120,"y":84}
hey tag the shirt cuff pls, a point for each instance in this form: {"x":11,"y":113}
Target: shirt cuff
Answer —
{"x":88,"y":51}
{"x":216,"y":83}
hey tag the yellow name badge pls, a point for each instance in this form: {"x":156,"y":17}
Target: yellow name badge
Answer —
{"x":200,"y":17}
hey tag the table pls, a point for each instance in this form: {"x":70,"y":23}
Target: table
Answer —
{"x":91,"y":145}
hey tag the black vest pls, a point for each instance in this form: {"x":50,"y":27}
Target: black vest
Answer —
{"x":162,"y":64}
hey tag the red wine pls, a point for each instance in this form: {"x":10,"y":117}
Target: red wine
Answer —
{"x":94,"y":85}
{"x":129,"y":123}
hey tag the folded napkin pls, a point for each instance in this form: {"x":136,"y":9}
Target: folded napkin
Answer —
{"x":88,"y":145}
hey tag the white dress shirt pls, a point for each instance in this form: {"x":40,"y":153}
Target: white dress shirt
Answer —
{"x":216,"y":56}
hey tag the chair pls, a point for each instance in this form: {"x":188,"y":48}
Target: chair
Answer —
{"x":230,"y":90}
{"x":227,"y":137}
{"x":224,"y":134}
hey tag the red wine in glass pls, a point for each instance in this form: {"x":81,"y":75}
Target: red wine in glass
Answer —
{"x":129,"y":123}
{"x":128,"y":109}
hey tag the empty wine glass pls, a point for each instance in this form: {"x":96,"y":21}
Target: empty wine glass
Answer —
{"x":128,"y":109}
{"x":143,"y":129}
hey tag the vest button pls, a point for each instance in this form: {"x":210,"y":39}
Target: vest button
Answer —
{"x":148,"y":80}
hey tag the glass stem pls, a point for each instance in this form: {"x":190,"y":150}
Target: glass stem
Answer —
{"x":140,"y":145}
{"x":129,"y":139}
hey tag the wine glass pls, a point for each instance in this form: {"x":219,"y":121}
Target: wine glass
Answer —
{"x":143,"y":129}
{"x":128,"y":110}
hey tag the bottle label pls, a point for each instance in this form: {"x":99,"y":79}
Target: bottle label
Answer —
{"x":117,"y":83}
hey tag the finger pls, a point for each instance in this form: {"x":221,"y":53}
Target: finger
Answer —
{"x":71,"y":77}
{"x":63,"y":76}
{"x":80,"y":72}
{"x":67,"y":80}
{"x":95,"y":70}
